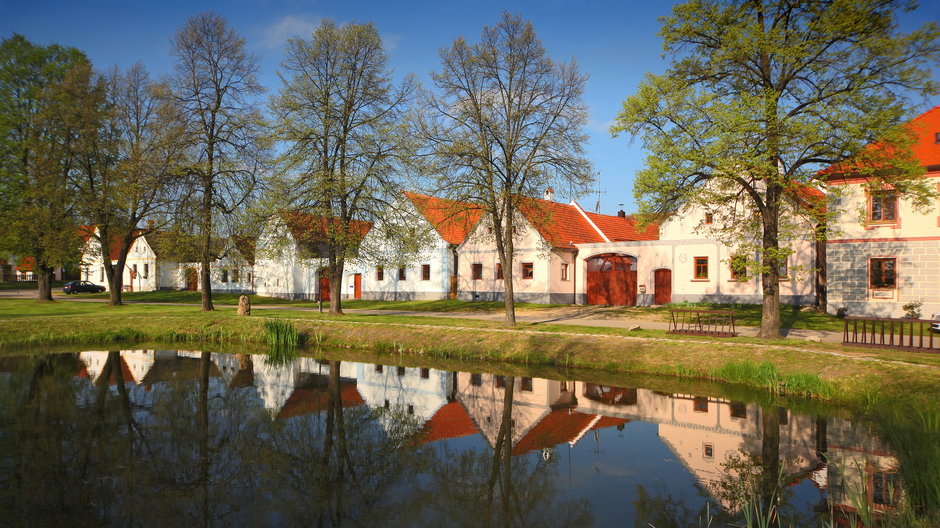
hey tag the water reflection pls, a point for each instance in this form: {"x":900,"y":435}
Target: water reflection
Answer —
{"x":158,"y":437}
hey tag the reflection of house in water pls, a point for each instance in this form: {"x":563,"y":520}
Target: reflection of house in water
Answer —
{"x":860,"y":465}
{"x":421,"y":392}
{"x":543,"y":411}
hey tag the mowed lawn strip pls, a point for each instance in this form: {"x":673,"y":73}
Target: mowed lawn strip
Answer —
{"x":855,"y":372}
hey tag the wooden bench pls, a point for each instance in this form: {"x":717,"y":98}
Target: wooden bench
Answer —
{"x":714,"y":323}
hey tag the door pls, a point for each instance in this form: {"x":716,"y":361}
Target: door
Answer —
{"x":662,"y":284}
{"x":192,"y":279}
{"x":324,"y":289}
{"x":611,"y":279}
{"x":357,"y":286}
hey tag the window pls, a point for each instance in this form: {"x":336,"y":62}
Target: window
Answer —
{"x":883,"y":273}
{"x":134,"y":275}
{"x":476,"y":379}
{"x":701,"y":268}
{"x":387,"y":404}
{"x":526,"y":384}
{"x":783,"y":270}
{"x":425,"y":272}
{"x":146,"y":270}
{"x":379,"y":274}
{"x":884,"y":206}
{"x":425,"y":373}
{"x":236,"y":274}
{"x":400,"y":371}
{"x":250,"y":281}
{"x":709,"y":218}
{"x":476,"y":271}
{"x":101,"y":279}
{"x":499,"y":271}
{"x":784,"y":415}
{"x":401,"y":273}
{"x":500,"y":381}
{"x":708,"y":450}
{"x":700,"y":404}
{"x":738,"y":267}
{"x":224,"y":275}
{"x":378,"y":369}
{"x":411,"y":409}
{"x":885,"y":488}
{"x":564,"y":272}
{"x":528,"y":271}
{"x":738,"y":409}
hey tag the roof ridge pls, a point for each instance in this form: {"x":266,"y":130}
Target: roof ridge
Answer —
{"x":589,"y":221}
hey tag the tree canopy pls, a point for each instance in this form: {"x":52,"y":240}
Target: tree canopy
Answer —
{"x":761,"y":96}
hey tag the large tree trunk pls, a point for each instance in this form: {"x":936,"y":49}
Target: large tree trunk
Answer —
{"x":770,"y":462}
{"x":336,"y":286}
{"x":206,"y":276}
{"x":821,"y":293}
{"x":43,"y":282}
{"x":504,"y":248}
{"x":770,"y":278}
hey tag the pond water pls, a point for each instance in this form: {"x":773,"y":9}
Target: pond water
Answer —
{"x":183,"y":438}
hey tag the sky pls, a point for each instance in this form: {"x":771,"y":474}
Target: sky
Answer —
{"x":614,"y":42}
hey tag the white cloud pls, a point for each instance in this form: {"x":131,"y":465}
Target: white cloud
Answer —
{"x":391,"y":41}
{"x":289,"y":26}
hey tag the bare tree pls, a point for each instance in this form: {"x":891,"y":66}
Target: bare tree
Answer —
{"x":508,"y":122}
{"x":213,"y":86}
{"x":127,"y":165}
{"x":341,"y":119}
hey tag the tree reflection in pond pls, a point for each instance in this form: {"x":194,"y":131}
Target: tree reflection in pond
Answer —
{"x":139,"y":438}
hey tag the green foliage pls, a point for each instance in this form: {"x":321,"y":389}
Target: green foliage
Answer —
{"x":912,"y":309}
{"x":766,"y":376}
{"x":760,"y":96}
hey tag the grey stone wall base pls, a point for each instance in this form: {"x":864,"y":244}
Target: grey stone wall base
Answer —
{"x":795,"y":300}
{"x":403,"y":296}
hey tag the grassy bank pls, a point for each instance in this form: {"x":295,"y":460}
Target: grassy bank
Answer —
{"x":820,"y":370}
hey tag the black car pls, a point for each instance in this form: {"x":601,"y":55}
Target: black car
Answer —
{"x":82,"y":287}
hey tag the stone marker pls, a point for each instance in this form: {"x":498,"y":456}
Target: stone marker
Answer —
{"x":814,"y":339}
{"x":634,"y":328}
{"x":244,"y":305}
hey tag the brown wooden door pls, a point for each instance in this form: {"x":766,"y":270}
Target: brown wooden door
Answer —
{"x":324,"y":289}
{"x":611,"y":279}
{"x":662,"y":286}
{"x":192,"y":279}
{"x":357,"y":288}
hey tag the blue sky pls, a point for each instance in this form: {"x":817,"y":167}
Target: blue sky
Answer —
{"x":613,"y":41}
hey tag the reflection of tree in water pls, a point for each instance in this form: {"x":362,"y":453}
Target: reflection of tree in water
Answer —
{"x":340,"y":467}
{"x":477,"y":487}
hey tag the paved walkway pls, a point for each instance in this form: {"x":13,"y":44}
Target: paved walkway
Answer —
{"x":564,"y":316}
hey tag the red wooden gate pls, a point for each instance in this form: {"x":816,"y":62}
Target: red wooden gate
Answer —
{"x":662,"y":286}
{"x":611,"y":279}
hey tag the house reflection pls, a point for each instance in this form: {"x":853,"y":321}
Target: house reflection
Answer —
{"x":837,"y":457}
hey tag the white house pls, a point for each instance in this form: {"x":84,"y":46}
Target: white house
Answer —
{"x":142,"y":269}
{"x":290,"y":260}
{"x":884,"y":252}
{"x":433,"y":275}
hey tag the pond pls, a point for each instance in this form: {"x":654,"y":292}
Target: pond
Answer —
{"x":184,"y":438}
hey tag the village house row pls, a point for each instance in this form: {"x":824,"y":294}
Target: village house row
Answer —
{"x":874,"y":262}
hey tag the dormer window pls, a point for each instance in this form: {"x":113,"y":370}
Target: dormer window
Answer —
{"x":936,"y":137}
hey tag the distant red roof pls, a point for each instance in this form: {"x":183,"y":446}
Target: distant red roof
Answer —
{"x":114,"y":248}
{"x":452,"y":219}
{"x":562,"y":426}
{"x":25,"y":264}
{"x":450,"y":421}
{"x":622,"y":229}
{"x":311,"y":228}
{"x":307,"y":401}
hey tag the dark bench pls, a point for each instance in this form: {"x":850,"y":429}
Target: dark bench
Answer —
{"x":715,"y":323}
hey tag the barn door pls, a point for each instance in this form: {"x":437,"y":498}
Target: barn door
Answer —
{"x":662,"y":286}
{"x":611,"y":279}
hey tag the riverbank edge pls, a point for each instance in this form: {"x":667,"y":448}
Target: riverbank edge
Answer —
{"x":779,"y":369}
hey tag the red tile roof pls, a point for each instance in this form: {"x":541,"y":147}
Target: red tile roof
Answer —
{"x":561,"y":426}
{"x":450,"y":421}
{"x":311,"y":228}
{"x":307,"y":401}
{"x":25,"y":264}
{"x":452,"y":219}
{"x":114,"y":248}
{"x":561,"y":225}
{"x":620,"y":229}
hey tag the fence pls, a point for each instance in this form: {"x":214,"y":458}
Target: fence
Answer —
{"x":717,"y":323}
{"x":902,"y":334}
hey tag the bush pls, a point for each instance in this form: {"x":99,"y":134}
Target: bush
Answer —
{"x":912,"y":309}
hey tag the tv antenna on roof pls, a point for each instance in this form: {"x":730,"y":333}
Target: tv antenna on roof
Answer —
{"x":597,"y":207}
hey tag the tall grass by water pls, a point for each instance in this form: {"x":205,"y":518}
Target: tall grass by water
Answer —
{"x":766,"y":376}
{"x":283,"y":339}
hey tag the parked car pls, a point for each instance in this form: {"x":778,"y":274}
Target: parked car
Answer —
{"x":935,"y":327}
{"x":82,"y":287}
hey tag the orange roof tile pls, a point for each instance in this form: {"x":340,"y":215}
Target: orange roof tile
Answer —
{"x":619,"y":229}
{"x":452,"y":219}
{"x":450,"y":421}
{"x":561,"y":225}
{"x":311,"y":228}
{"x":561,"y":426}
{"x":307,"y":401}
{"x":927,"y":126}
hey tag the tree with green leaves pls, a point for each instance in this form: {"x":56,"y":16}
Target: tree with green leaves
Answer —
{"x":341,"y":119}
{"x":213,"y":87}
{"x":127,"y":163}
{"x":37,"y":155}
{"x":507,"y":122}
{"x":761,"y":96}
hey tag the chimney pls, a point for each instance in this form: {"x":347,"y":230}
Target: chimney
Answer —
{"x":549,"y":195}
{"x":621,"y":213}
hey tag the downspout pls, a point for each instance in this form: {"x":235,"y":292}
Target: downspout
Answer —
{"x":574,"y":279}
{"x":452,"y":292}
